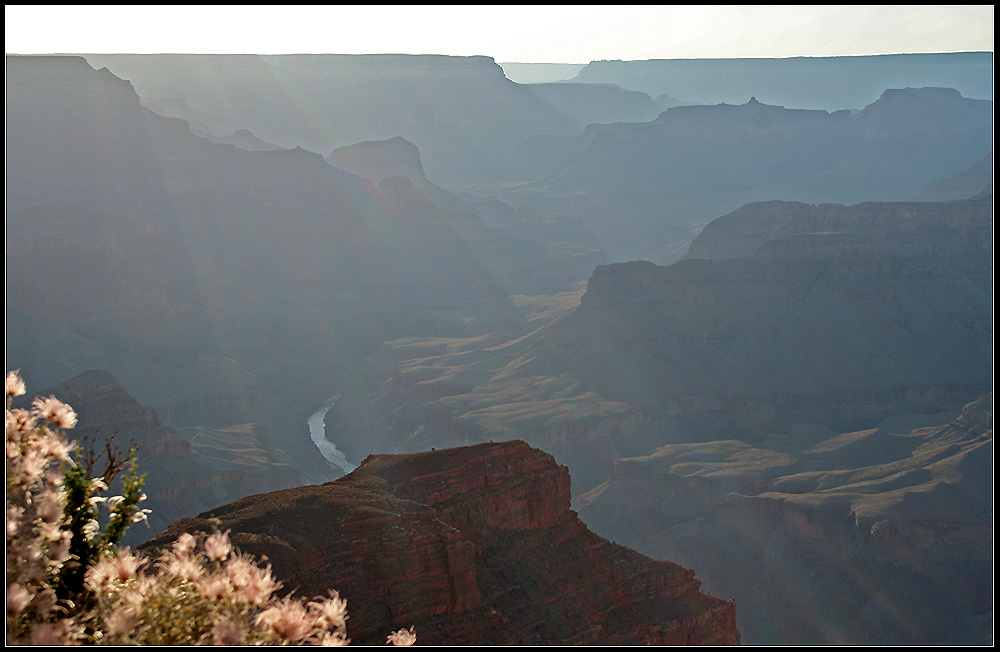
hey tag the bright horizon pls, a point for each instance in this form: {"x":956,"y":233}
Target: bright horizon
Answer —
{"x":508,"y":33}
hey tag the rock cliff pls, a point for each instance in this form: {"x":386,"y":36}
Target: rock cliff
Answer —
{"x":473,"y":545}
{"x":953,"y":224}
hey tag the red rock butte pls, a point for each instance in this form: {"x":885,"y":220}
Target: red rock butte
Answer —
{"x":472,"y":545}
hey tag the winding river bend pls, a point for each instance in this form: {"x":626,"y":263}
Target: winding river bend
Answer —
{"x":317,"y":432}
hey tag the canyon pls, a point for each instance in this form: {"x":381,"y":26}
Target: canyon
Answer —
{"x":757,"y":334}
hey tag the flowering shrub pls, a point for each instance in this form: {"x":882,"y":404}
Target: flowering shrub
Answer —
{"x":68,"y":582}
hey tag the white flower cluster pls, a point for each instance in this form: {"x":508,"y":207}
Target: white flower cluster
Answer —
{"x":209,"y":596}
{"x":38,"y":542}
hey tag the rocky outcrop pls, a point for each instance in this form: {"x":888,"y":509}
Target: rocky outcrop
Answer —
{"x":378,"y":160}
{"x":473,"y":545}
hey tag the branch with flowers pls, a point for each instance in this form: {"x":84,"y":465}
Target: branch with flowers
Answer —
{"x":68,"y":581}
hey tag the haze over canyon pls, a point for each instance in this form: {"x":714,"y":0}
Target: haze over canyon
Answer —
{"x":480,"y":334}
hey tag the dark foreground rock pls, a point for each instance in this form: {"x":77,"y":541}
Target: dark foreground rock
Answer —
{"x":473,"y":545}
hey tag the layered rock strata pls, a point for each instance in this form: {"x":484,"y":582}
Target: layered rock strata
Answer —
{"x":473,"y":545}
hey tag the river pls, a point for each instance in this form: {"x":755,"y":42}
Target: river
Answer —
{"x":317,"y":432}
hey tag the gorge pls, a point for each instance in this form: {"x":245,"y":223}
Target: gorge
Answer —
{"x":759,"y":338}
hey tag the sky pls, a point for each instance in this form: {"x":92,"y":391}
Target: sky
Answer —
{"x":508,"y":33}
